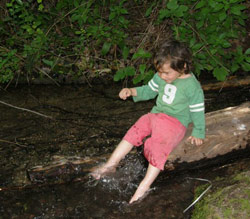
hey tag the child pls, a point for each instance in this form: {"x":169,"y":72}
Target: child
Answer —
{"x":180,"y":101}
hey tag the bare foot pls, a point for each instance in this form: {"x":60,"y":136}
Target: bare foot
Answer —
{"x":140,"y":192}
{"x":100,"y":171}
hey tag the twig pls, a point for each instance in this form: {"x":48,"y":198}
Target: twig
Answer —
{"x":203,"y":193}
{"x":47,"y":76}
{"x":31,"y":111}
{"x":9,"y":142}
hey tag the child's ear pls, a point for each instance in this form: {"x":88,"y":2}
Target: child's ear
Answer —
{"x":185,"y":65}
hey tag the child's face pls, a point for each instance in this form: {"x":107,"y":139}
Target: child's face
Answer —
{"x":168,"y":74}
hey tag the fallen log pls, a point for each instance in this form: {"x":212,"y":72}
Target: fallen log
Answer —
{"x":228,"y":130}
{"x":231,"y":82}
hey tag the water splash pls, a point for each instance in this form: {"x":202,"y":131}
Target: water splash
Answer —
{"x":121,"y":185}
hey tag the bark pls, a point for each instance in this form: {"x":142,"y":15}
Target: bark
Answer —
{"x":227,"y":130}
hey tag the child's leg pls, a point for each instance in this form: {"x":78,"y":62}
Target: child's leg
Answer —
{"x":123,"y":148}
{"x":135,"y":135}
{"x":152,"y":173}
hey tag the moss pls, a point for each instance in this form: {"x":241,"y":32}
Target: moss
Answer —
{"x":242,"y":177}
{"x":228,"y":198}
{"x":227,"y":212}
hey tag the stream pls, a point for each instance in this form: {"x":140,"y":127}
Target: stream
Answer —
{"x":87,"y":122}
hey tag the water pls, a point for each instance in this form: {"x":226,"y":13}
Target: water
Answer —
{"x":89,"y":122}
{"x":106,"y":198}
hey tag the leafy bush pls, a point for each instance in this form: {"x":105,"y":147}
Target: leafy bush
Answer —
{"x":41,"y":38}
{"x":213,"y":30}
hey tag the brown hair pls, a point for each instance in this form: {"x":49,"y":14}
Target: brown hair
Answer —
{"x":177,"y":54}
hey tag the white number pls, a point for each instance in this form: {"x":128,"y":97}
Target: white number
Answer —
{"x":169,"y":93}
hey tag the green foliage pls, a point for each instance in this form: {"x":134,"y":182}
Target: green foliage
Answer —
{"x":36,"y":36}
{"x":213,"y":29}
{"x":144,"y":74}
{"x":73,"y":37}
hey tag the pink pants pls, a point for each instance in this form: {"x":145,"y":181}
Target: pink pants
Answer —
{"x":165,"y":134}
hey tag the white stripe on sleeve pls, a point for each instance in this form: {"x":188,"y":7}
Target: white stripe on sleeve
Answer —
{"x":197,"y":110}
{"x":151,"y":83}
{"x":196,"y":105}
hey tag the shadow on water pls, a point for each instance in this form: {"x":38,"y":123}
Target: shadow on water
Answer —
{"x":89,"y":122}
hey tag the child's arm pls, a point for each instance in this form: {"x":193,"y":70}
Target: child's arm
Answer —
{"x":127,"y":92}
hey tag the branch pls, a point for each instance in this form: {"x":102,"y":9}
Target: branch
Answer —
{"x":31,"y":111}
{"x":9,"y":142}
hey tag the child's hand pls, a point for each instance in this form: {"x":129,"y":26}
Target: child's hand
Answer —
{"x":194,"y":140}
{"x":125,"y":93}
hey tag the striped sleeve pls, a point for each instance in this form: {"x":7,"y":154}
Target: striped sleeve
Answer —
{"x":153,"y":85}
{"x":197,"y":112}
{"x":149,"y":91}
{"x":197,"y":107}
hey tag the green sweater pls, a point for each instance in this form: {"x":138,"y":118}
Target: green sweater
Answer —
{"x":182,"y":99}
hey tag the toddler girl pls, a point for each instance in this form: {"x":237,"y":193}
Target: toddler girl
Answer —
{"x":180,"y":101}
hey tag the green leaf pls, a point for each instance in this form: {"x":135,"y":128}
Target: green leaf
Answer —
{"x":200,"y":24}
{"x":40,"y":7}
{"x":201,"y":55}
{"x":105,"y":48}
{"x":237,"y":9}
{"x":180,"y":11}
{"x":247,"y":59}
{"x":148,"y":76}
{"x":119,"y":75}
{"x":129,"y":71}
{"x":141,"y":54}
{"x":192,"y":42}
{"x":208,"y":67}
{"x":123,"y":72}
{"x":226,"y":44}
{"x":198,"y":67}
{"x":197,"y":46}
{"x":247,"y":51}
{"x":123,"y":11}
{"x":20,"y":2}
{"x":220,"y":73}
{"x":218,"y":7}
{"x":200,"y":4}
{"x":222,"y":16}
{"x":149,"y":10}
{"x":164,"y":13}
{"x":112,"y":16}
{"x":245,"y":66}
{"x":78,"y":32}
{"x":142,"y":68}
{"x":234,"y":67}
{"x":172,"y":5}
{"x":48,"y":62}
{"x":125,"y":52}
{"x":138,"y":79}
{"x":212,"y":3}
